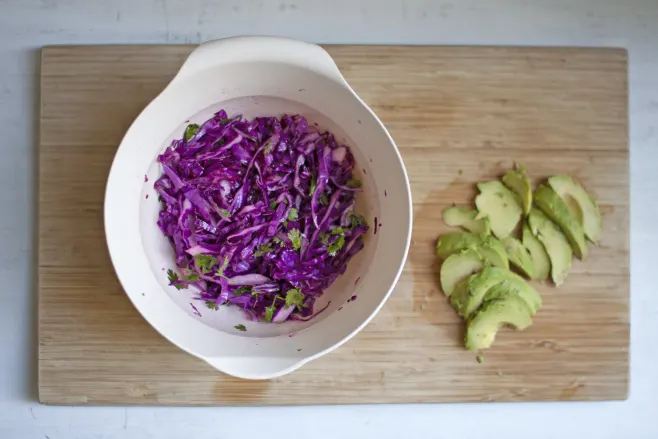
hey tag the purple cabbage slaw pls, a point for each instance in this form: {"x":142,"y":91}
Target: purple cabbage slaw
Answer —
{"x":260,"y":213}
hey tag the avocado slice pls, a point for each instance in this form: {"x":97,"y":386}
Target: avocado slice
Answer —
{"x":519,"y":183}
{"x":556,"y":244}
{"x":517,"y":288}
{"x":460,"y":216}
{"x":556,"y":209}
{"x":482,"y":328}
{"x":487,"y":246}
{"x":518,"y":255}
{"x":501,"y":205}
{"x":580,"y":203}
{"x":457,"y":267}
{"x":540,"y":261}
{"x":490,"y":283}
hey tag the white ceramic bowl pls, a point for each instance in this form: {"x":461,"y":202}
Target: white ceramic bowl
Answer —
{"x":256,"y":76}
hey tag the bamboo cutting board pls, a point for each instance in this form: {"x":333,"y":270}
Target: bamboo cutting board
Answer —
{"x":459,"y":115}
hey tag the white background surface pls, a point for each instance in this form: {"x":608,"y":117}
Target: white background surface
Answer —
{"x":26,"y":25}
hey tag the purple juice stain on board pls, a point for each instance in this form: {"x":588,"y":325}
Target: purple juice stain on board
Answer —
{"x":385,"y":194}
{"x":375,"y":231}
{"x":353,"y":298}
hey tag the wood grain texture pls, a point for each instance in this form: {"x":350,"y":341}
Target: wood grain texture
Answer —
{"x":459,"y":115}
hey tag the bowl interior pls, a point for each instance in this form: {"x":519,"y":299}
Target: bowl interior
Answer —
{"x":161,"y":256}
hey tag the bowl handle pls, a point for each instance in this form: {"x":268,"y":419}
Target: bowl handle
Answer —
{"x":253,"y":48}
{"x":256,"y":368}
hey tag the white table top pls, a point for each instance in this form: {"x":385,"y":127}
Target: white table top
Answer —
{"x":26,"y":25}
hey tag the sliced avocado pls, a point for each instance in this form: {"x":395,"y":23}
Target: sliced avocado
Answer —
{"x":501,"y":205}
{"x":517,"y":181}
{"x":580,"y":203}
{"x":486,"y":283}
{"x":460,"y":216}
{"x":482,"y":328}
{"x":556,"y":244}
{"x":540,"y":261}
{"x":556,"y":209}
{"x":457,"y":267}
{"x":515,"y":287}
{"x":518,"y":255}
{"x":487,"y":246}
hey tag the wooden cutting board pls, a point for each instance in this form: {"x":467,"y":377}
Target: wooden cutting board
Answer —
{"x":459,"y":115}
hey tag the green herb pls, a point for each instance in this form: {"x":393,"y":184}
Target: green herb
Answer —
{"x":480,"y":359}
{"x":220,"y":272}
{"x":273,"y":204}
{"x":160,"y":198}
{"x":173,"y":277}
{"x":335,"y":246}
{"x":323,"y":199}
{"x":269,"y":312}
{"x":211,"y":305}
{"x":269,"y":145}
{"x":313,"y":184}
{"x":461,"y":171}
{"x":242,"y":328}
{"x":324,"y":237}
{"x":293,"y":214}
{"x":224,"y":120}
{"x":190,"y":131}
{"x":192,"y":277}
{"x":353,"y":182}
{"x":263,"y":249}
{"x":242,"y":290}
{"x":256,"y":293}
{"x":356,"y":219}
{"x":294,"y":297}
{"x":295,"y":238}
{"x":278,"y":240}
{"x":205,"y":263}
{"x":338,"y":231}
{"x":224,"y":213}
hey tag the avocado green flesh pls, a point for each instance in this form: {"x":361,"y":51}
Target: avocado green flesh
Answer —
{"x":540,"y":261}
{"x":492,"y":282}
{"x":458,"y":267}
{"x":500,"y":205}
{"x":488,"y":247}
{"x":517,"y":181}
{"x":482,"y":328}
{"x":459,"y":216}
{"x":580,"y":203}
{"x":518,"y":255}
{"x":556,"y":244}
{"x":514,"y":288}
{"x":556,"y":209}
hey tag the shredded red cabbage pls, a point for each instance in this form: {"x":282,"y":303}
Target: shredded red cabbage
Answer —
{"x":260,"y":213}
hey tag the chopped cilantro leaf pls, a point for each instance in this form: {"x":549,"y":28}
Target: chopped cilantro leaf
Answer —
{"x":278,"y":240}
{"x":356,"y":219}
{"x":294,"y":297}
{"x":263,"y":249}
{"x":160,"y":198}
{"x":173,"y":277}
{"x":323,"y":199}
{"x":192,"y":277}
{"x":480,"y":359}
{"x":335,"y":246}
{"x":269,"y":312}
{"x":211,"y":305}
{"x":295,"y":238}
{"x":224,"y":213}
{"x":353,"y":182}
{"x":273,"y":204}
{"x":205,"y":263}
{"x":220,"y":272}
{"x":242,"y":290}
{"x":313,"y":184}
{"x":324,"y":237}
{"x":338,"y":231}
{"x":293,"y":214}
{"x":190,"y":131}
{"x":242,"y":328}
{"x":224,"y":120}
